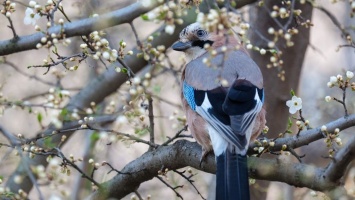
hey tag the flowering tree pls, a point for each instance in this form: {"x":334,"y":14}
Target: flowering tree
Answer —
{"x":110,"y":135}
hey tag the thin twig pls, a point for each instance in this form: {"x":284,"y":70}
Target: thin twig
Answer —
{"x":293,"y":152}
{"x":139,"y":43}
{"x":138,"y":195}
{"x":132,"y":137}
{"x":30,"y":174}
{"x":289,"y":21}
{"x":66,"y":161}
{"x":188,"y":178}
{"x":177,"y":135}
{"x":151,"y":122}
{"x":61,"y":61}
{"x":333,"y":19}
{"x":169,"y":186}
{"x":6,"y":62}
{"x":51,"y":14}
{"x":32,"y":96}
{"x":15,"y":38}
{"x":113,"y":169}
{"x":342,"y":102}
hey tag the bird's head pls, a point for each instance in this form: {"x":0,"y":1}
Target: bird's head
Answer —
{"x":192,"y":41}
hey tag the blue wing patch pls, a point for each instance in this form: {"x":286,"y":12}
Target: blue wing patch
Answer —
{"x":189,"y":95}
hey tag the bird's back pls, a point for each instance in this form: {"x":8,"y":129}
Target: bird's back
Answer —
{"x":228,"y":66}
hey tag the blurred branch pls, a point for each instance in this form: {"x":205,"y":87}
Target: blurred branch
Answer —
{"x":78,"y":28}
{"x":6,"y":62}
{"x":9,"y":136}
{"x":333,"y":19}
{"x":341,"y":161}
{"x":96,"y":91}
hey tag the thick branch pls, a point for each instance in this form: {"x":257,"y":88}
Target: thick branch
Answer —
{"x":78,"y":28}
{"x":338,"y":166}
{"x":296,"y":174}
{"x":184,"y":153}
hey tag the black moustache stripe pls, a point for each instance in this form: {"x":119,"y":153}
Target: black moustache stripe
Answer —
{"x":201,"y":43}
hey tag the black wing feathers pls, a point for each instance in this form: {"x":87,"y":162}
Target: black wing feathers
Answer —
{"x":240,"y":98}
{"x":216,"y":98}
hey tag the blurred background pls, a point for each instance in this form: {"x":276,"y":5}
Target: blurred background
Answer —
{"x":18,"y":83}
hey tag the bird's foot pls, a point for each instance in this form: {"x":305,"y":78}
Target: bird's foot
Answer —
{"x":203,"y":156}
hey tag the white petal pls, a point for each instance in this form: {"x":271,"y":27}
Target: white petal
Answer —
{"x":294,"y":98}
{"x":292,"y":110}
{"x":349,"y":74}
{"x":37,"y":16}
{"x":298,"y":107}
{"x":28,"y":11}
{"x":299,"y":100}
{"x":289,"y":103}
{"x":33,"y":22}
{"x":27,"y":20}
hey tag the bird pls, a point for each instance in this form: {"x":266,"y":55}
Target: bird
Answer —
{"x":222,"y":94}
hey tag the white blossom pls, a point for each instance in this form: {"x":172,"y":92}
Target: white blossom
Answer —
{"x":349,"y":74}
{"x":282,"y":10}
{"x":337,"y":140}
{"x":32,"y":4}
{"x":122,"y":119}
{"x":61,"y":21}
{"x":328,"y":98}
{"x":262,"y":51}
{"x":136,"y":80}
{"x":30,"y":17}
{"x":333,"y":79}
{"x":146,"y":3}
{"x":287,"y":36}
{"x":330,"y":85}
{"x":151,"y":15}
{"x":106,"y":55}
{"x":271,"y":30}
{"x":294,"y":104}
{"x":169,"y":29}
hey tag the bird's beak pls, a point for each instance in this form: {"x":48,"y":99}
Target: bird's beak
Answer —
{"x":181,"y":46}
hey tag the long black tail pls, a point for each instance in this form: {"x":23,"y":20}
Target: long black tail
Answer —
{"x":232,"y":177}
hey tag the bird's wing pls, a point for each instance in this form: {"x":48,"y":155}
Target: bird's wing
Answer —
{"x":243,"y":103}
{"x":230,"y":111}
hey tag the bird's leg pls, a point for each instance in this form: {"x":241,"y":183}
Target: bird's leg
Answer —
{"x":203,"y":156}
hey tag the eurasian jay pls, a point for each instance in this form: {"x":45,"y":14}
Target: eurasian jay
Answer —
{"x":223,"y":102}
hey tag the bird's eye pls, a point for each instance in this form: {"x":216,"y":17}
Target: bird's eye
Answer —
{"x":201,"y":33}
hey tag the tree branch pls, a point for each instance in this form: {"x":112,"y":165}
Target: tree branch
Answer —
{"x":78,"y":28}
{"x":337,"y":167}
{"x":185,"y":153}
{"x":308,"y":136}
{"x":95,"y":91}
